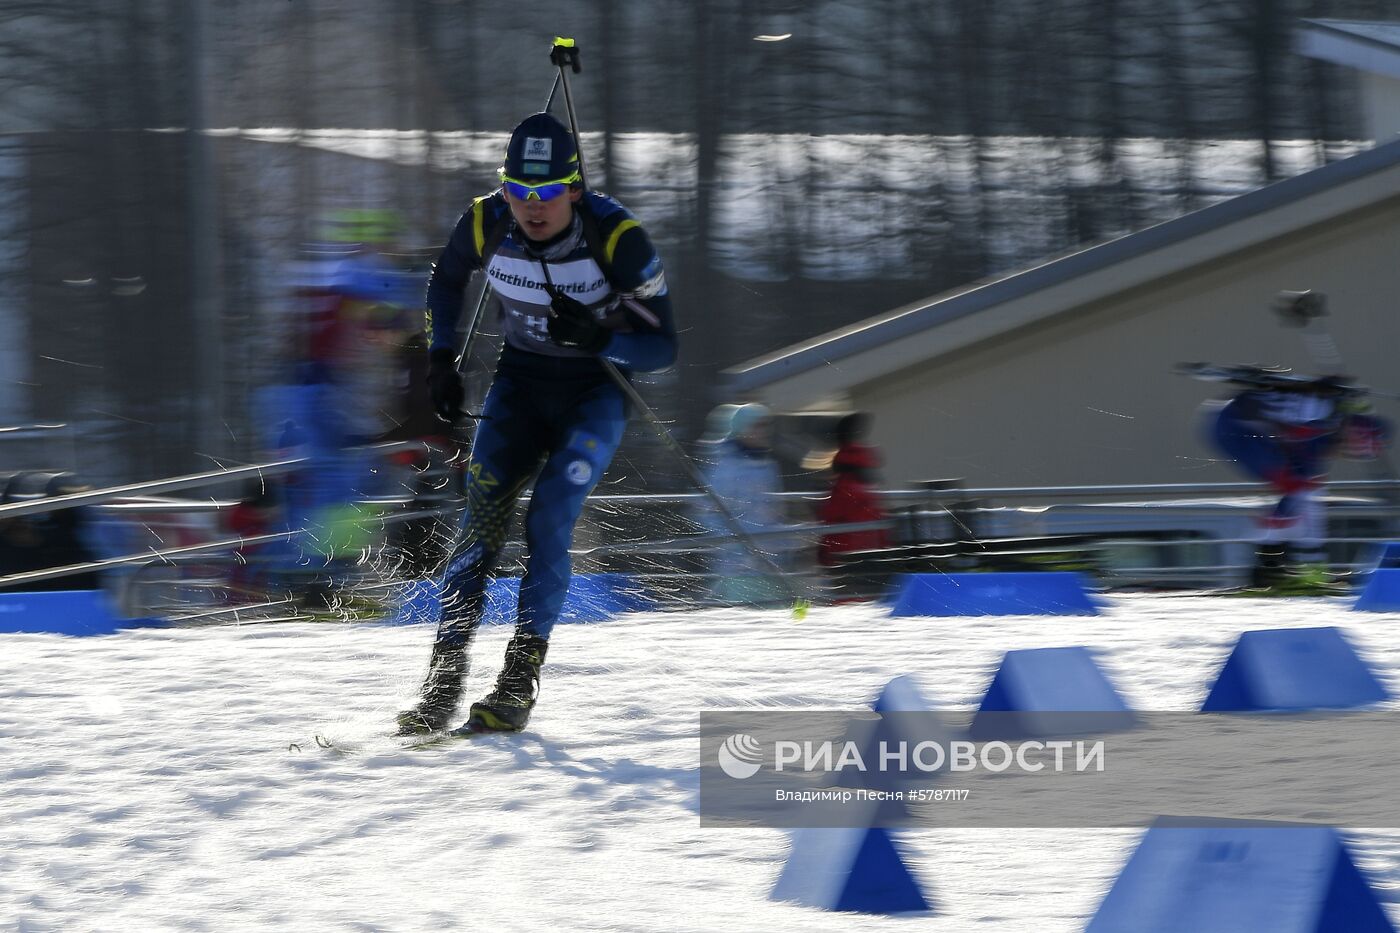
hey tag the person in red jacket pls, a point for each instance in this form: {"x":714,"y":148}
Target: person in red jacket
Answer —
{"x":854,"y":496}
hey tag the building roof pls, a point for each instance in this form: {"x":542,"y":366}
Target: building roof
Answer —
{"x":1367,"y":46}
{"x":821,"y":368}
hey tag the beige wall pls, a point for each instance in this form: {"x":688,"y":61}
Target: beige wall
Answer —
{"x":1089,"y":397}
{"x":1381,"y":99}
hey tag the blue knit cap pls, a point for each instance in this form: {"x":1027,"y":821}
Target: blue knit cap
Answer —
{"x":745,"y":417}
{"x":717,"y":423}
{"x":541,"y":149}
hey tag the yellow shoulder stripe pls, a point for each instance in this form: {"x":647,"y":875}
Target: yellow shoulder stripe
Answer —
{"x":622,"y":228}
{"x":479,"y":225}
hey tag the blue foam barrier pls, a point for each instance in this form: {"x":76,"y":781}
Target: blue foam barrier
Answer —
{"x":907,"y":716}
{"x":592,"y":597}
{"x":901,"y":695}
{"x":63,"y":612}
{"x":1382,"y":591}
{"x":418,"y":601}
{"x":1050,"y":692}
{"x":1276,"y":670}
{"x":859,"y":870}
{"x":1390,"y":556}
{"x":1232,"y":878}
{"x":503,"y":601}
{"x":992,"y":594}
{"x":597,"y":597}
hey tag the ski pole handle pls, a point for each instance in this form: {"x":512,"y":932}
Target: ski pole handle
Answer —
{"x":565,"y":52}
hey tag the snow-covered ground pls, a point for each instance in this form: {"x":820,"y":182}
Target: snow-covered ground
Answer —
{"x":170,"y":779}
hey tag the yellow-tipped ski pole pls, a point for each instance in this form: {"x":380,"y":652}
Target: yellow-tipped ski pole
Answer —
{"x":563,"y":53}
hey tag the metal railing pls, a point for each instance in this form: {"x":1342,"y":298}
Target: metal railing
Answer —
{"x":37,"y":506}
{"x":912,"y":513}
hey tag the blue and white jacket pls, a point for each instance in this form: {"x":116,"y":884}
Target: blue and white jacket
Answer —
{"x":627,"y":291}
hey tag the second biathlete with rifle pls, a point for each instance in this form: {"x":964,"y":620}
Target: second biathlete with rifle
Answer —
{"x":1285,"y":428}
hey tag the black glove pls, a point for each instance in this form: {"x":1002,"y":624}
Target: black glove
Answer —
{"x":572,"y":325}
{"x":445,"y":384}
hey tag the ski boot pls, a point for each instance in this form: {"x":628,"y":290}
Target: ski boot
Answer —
{"x":1310,"y":580}
{"x":440,"y":694}
{"x":1270,"y":566}
{"x":507,"y":708}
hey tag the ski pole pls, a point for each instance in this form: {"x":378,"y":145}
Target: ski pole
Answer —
{"x":565,"y":52}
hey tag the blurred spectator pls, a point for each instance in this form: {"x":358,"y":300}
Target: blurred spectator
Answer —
{"x":21,"y":549}
{"x":854,"y":495}
{"x":854,"y":498}
{"x":353,"y":299}
{"x":257,"y":513}
{"x":324,"y":494}
{"x":744,"y":475}
{"x":431,"y":475}
{"x":49,"y":539}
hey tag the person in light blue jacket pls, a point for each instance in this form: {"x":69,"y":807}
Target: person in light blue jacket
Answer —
{"x":743,"y":473}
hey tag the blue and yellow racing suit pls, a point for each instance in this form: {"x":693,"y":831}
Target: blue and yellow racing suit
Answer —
{"x":552,"y":414}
